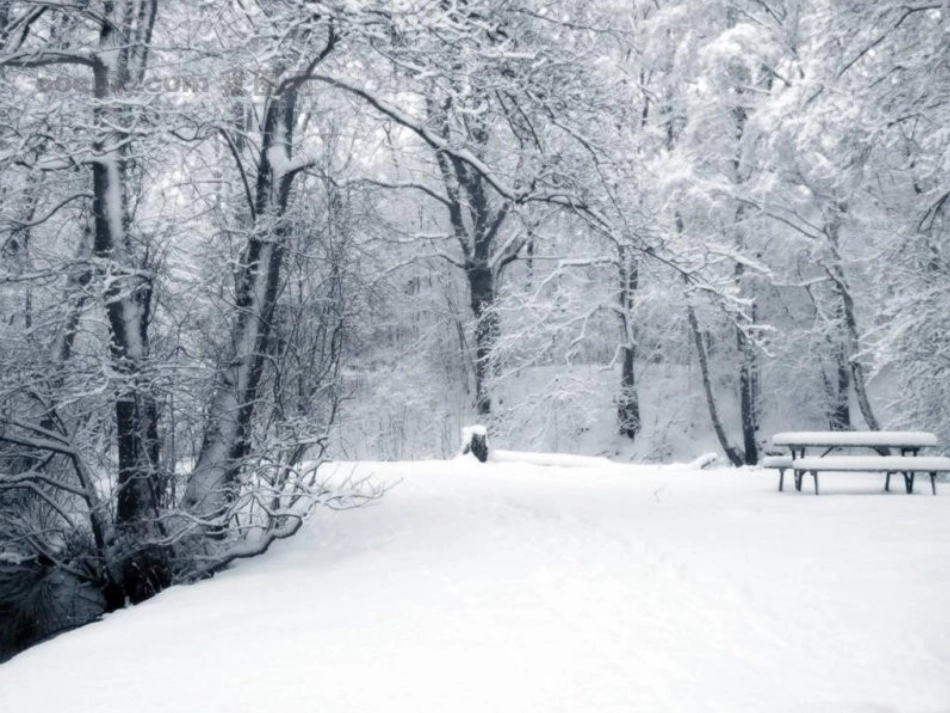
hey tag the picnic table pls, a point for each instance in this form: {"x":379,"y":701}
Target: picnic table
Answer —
{"x":908,"y":463}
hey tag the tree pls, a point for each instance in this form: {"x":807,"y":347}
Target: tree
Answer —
{"x":211,"y":486}
{"x":113,"y":54}
{"x":491,"y":98}
{"x":95,"y":501}
{"x":892,"y":73}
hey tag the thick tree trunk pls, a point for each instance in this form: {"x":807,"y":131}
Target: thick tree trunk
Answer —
{"x":628,"y":407}
{"x":136,"y":568}
{"x":127,"y":309}
{"x":840,"y":417}
{"x":213,"y":482}
{"x":476,"y":225}
{"x":841,"y":411}
{"x":481,"y":282}
{"x":127,"y":295}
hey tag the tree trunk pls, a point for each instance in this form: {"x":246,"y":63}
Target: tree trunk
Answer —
{"x":748,"y":396}
{"x":628,"y":407}
{"x":840,"y":419}
{"x":748,"y":402}
{"x":476,"y":225}
{"x":128,"y":293}
{"x":127,"y":309}
{"x":628,"y":404}
{"x":735,"y":457}
{"x":213,"y":484}
{"x":859,"y":378}
{"x":481,"y":281}
{"x":850,"y":322}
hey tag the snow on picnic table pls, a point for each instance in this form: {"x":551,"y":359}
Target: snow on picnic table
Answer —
{"x":513,"y":587}
{"x":844,"y":439}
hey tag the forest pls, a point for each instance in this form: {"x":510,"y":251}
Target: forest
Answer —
{"x":241,"y":238}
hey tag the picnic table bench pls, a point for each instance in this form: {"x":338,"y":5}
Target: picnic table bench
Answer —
{"x":908,"y":463}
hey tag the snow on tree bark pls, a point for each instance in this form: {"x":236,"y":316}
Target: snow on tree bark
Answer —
{"x":212,"y":483}
{"x":123,"y":47}
{"x":628,"y":405}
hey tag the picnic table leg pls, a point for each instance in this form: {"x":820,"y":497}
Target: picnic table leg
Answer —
{"x":798,"y":480}
{"x":814,"y":474}
{"x":781,"y":479}
{"x":909,"y":482}
{"x":933,"y":482}
{"x":887,"y":483}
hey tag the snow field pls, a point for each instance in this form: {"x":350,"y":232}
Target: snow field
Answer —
{"x":512,"y":586}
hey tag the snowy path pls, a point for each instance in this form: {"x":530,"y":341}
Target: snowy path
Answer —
{"x":518,"y":588}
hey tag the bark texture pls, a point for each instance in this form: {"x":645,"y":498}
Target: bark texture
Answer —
{"x":628,"y":404}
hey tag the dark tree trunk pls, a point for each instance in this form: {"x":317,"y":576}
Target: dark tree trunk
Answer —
{"x":628,"y":404}
{"x":748,"y":367}
{"x":476,"y":225}
{"x":748,"y":406}
{"x":748,"y":398}
{"x":128,"y":298}
{"x":840,"y":418}
{"x":849,"y":321}
{"x":628,"y":407}
{"x":735,"y":456}
{"x":859,"y":378}
{"x":212,"y":486}
{"x":481,"y":281}
{"x":135,"y":411}
{"x":137,"y":568}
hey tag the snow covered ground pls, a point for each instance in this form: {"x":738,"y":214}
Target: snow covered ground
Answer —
{"x":518,"y":587}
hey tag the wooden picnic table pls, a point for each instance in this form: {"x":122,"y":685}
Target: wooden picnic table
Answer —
{"x":908,"y":462}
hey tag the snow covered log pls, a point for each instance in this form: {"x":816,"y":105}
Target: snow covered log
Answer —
{"x":703,"y":461}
